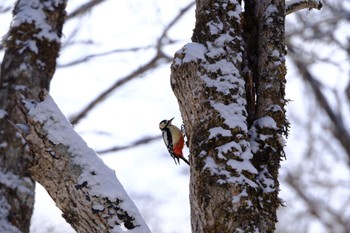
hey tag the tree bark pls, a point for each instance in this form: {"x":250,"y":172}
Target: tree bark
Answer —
{"x":88,"y":193}
{"x":31,"y":48}
{"x":230,"y":87}
{"x":270,"y":122}
{"x":82,"y":186}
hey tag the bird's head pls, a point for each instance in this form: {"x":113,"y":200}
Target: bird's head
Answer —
{"x":164,"y":123}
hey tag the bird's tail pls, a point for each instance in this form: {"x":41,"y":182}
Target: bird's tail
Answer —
{"x":186,"y":161}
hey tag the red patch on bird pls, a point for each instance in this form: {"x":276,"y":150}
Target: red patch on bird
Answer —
{"x":178,"y":148}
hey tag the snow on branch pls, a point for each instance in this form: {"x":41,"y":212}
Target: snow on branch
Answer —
{"x":295,"y":5}
{"x":83,"y":187}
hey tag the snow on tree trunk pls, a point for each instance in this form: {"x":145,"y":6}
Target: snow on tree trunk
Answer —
{"x":270,"y":122}
{"x":31,"y":48}
{"x":230,"y":87}
{"x":87,"y":192}
{"x":82,"y":186}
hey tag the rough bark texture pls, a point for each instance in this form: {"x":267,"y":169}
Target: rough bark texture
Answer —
{"x":28,"y":65}
{"x":270,"y":104}
{"x":230,"y":88}
{"x":211,"y":93}
{"x":82,"y":186}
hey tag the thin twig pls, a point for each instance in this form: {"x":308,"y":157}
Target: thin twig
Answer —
{"x":315,"y":208}
{"x":172,"y":23}
{"x":340,"y":132}
{"x":153,"y":63}
{"x":138,"y":142}
{"x":96,"y":55}
{"x":84,"y":8}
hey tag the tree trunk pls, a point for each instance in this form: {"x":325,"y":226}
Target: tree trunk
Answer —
{"x":31,"y":49}
{"x":87,"y":192}
{"x":230,"y":87}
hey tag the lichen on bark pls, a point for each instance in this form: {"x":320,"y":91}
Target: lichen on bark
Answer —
{"x":27,"y":67}
{"x":230,"y":87}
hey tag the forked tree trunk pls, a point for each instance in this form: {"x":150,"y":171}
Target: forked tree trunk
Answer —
{"x":82,"y":186}
{"x":31,"y":49}
{"x":230,"y":87}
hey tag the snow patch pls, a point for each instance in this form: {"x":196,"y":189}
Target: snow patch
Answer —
{"x":5,"y":225}
{"x":209,"y":163}
{"x":275,"y":53}
{"x":13,"y":181}
{"x":236,"y":13}
{"x":240,"y":166}
{"x":237,"y":198}
{"x":233,"y":114}
{"x":192,"y":51}
{"x":216,"y":170}
{"x":277,"y":108}
{"x":214,"y":27}
{"x":23,"y":127}
{"x":28,"y":44}
{"x":216,"y":52}
{"x":224,"y":83}
{"x":230,"y":146}
{"x":3,"y":113}
{"x":266,"y":183}
{"x":33,"y":12}
{"x":217,"y":131}
{"x":98,"y":207}
{"x":242,"y":179}
{"x":281,"y":140}
{"x":271,"y":9}
{"x":223,"y":39}
{"x":20,"y":87}
{"x":225,"y":68}
{"x":267,"y":122}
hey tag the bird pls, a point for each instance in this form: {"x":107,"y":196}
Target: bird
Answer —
{"x":173,"y":139}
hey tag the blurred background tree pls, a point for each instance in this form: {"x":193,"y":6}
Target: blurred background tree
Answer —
{"x":112,"y":82}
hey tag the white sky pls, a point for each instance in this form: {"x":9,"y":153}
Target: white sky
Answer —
{"x":159,"y":187}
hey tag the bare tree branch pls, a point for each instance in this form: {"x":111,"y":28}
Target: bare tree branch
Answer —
{"x":138,"y":142}
{"x":84,"y":8}
{"x":173,"y":22}
{"x":335,"y":118}
{"x":96,"y":55}
{"x":152,"y":64}
{"x":296,"y":5}
{"x":5,"y":9}
{"x":316,"y":208}
{"x":339,"y":131}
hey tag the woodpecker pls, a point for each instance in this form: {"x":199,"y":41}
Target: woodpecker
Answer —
{"x":173,"y":139}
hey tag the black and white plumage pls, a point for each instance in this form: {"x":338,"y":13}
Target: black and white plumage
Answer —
{"x":173,"y":139}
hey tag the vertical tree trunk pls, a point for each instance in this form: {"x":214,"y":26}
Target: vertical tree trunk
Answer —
{"x":230,"y":87}
{"x":269,"y":117}
{"x":31,"y":48}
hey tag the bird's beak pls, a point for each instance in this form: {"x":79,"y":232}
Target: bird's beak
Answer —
{"x":171,"y":119}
